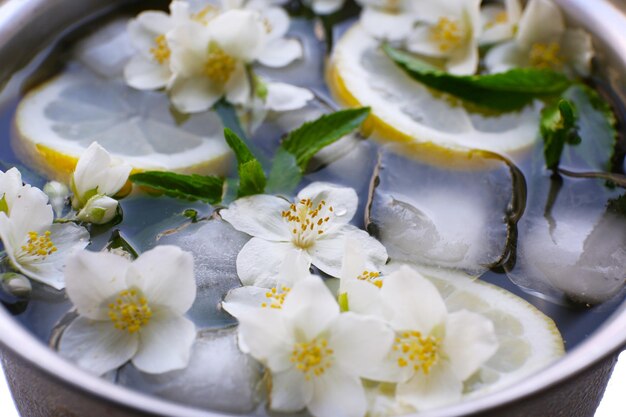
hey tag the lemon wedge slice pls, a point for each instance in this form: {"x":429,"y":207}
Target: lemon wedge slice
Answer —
{"x":57,"y":121}
{"x":403,"y":110}
{"x":529,"y":340}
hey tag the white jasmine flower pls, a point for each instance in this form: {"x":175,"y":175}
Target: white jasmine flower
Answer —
{"x":97,"y":173}
{"x":35,"y":246}
{"x":99,"y":209}
{"x":391,"y":20}
{"x":543,"y":41}
{"x":500,"y":23}
{"x":324,"y":7}
{"x":317,"y":223}
{"x":433,"y":351}
{"x":450,"y":30}
{"x":210,"y":61}
{"x":130,"y":310}
{"x":315,"y":354}
{"x":150,"y":68}
{"x":57,"y":194}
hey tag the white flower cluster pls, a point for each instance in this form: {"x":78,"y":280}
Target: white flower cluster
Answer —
{"x":318,"y":348}
{"x":204,"y":50}
{"x":453,"y":30}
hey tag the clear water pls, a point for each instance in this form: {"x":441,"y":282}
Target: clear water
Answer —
{"x":353,"y":164}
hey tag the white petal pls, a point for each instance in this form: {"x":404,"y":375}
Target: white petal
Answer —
{"x":326,"y":6}
{"x":503,"y":57}
{"x":165,"y":275}
{"x":470,"y":341}
{"x":577,"y":49}
{"x":276,"y":18}
{"x":259,"y":216}
{"x":327,"y":253}
{"x":415,"y":302}
{"x":344,"y":200}
{"x":240,"y":33}
{"x":143,"y":74}
{"x":267,"y":338}
{"x":195,"y":94}
{"x":425,"y":392}
{"x":243,"y":300}
{"x":238,"y":89}
{"x":29,"y":210}
{"x":294,"y":268}
{"x":259,"y":262}
{"x":290,"y":392}
{"x":353,"y":262}
{"x":67,"y":238}
{"x":310,"y":307}
{"x":97,"y":345}
{"x":339,"y":394}
{"x":165,"y":343}
{"x":154,"y":21}
{"x":464,"y":61}
{"x":280,"y":52}
{"x":188,"y":45}
{"x":90,"y":166}
{"x":389,"y":26}
{"x":542,"y":21}
{"x":92,"y":279}
{"x":364,"y":298}
{"x":359,"y":343}
{"x":285,"y":97}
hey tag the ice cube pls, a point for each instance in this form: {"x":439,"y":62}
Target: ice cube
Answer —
{"x":219,"y":377}
{"x":215,"y":245}
{"x":448,"y":216}
{"x":577,"y":248}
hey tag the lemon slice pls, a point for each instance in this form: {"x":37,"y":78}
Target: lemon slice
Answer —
{"x":58,"y":120}
{"x":403,"y":110}
{"x":529,"y":340}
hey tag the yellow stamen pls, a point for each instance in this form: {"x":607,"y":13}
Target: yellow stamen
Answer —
{"x":219,"y":66}
{"x":161,"y":52}
{"x":206,"y":14}
{"x":130,"y":311}
{"x":307,"y":222}
{"x":39,"y":245}
{"x":447,"y":34}
{"x":545,"y":55}
{"x":413,"y":348}
{"x":276,"y":297}
{"x":312,"y":358}
{"x":371,"y":277}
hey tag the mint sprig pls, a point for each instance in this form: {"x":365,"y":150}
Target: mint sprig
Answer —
{"x":188,"y":187}
{"x":504,"y":91}
{"x":559,"y":126}
{"x":251,"y":176}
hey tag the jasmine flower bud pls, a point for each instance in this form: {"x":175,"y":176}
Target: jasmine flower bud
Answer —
{"x":57,"y":194}
{"x":99,"y":209}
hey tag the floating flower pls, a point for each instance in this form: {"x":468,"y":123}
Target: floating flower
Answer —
{"x":500,"y":23}
{"x":317,"y":223}
{"x":96,"y":175}
{"x":209,"y":61}
{"x":543,"y":41}
{"x":130,"y":310}
{"x":391,"y":20}
{"x":450,"y":30}
{"x":315,"y":354}
{"x":150,"y":68}
{"x":34,"y":245}
{"x":434,"y":351}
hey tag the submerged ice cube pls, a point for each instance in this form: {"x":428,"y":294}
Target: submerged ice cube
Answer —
{"x":438,"y":216}
{"x":214,"y":245}
{"x":219,"y":377}
{"x":575,"y":248}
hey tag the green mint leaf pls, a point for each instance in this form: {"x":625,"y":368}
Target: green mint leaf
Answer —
{"x":119,"y":241}
{"x":504,"y":91}
{"x":304,"y":142}
{"x":251,"y":176}
{"x":188,"y":187}
{"x":285,"y":174}
{"x":558,"y":127}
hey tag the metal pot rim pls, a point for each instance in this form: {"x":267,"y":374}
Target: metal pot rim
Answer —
{"x":604,"y":20}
